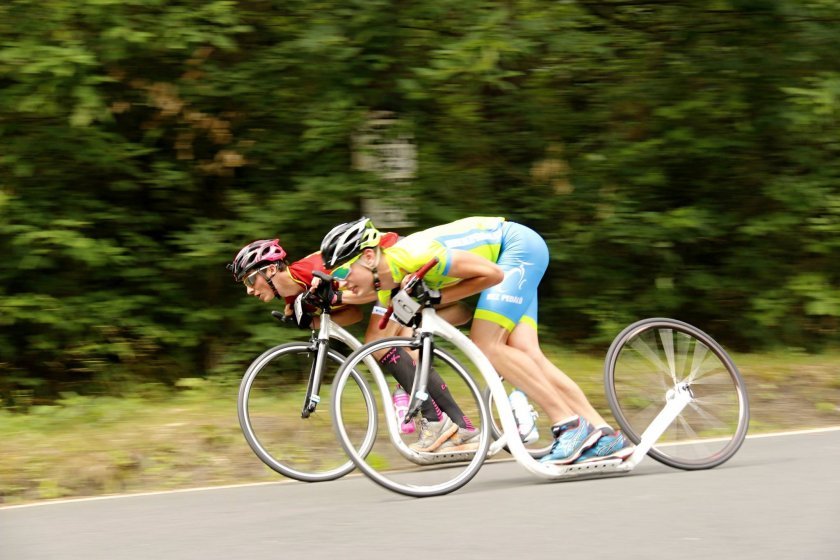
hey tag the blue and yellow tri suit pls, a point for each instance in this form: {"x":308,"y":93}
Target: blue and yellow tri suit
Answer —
{"x":520,"y":252}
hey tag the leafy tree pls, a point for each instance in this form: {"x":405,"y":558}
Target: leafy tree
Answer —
{"x":680,"y":158}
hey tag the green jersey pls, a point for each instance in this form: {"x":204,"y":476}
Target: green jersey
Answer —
{"x":479,"y":235}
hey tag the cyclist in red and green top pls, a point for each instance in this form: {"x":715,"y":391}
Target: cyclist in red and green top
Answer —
{"x":504,"y":262}
{"x":264,"y":269}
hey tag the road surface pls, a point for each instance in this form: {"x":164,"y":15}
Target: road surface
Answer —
{"x":779,"y":497}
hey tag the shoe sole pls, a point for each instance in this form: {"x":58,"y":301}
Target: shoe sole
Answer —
{"x":591,"y":440}
{"x":622,"y":454}
{"x":471,"y":445}
{"x":458,"y":448}
{"x":445,"y":435}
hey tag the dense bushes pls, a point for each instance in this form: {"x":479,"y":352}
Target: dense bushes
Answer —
{"x":680,"y":160}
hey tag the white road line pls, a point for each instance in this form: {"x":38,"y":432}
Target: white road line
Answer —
{"x":796,"y":432}
{"x":254,"y":484}
{"x":757,"y":436}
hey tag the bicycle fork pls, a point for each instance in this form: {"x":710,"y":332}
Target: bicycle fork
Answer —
{"x":419,"y":394}
{"x":319,"y":345}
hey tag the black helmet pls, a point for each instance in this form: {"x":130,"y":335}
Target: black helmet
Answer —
{"x":348,"y":240}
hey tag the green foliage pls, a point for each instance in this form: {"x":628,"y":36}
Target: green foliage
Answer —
{"x":680,"y":158}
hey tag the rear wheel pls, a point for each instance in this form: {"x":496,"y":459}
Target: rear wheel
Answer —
{"x":654,"y":356}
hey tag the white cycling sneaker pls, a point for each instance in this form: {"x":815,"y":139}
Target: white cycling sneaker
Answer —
{"x":525,"y":415}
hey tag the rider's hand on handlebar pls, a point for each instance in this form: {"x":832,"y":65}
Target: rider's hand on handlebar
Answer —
{"x":283,"y":317}
{"x":426,"y":295}
{"x":408,"y":284}
{"x":326,"y":291}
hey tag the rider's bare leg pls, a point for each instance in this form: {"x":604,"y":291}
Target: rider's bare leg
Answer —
{"x":525,"y":338}
{"x":520,"y":368}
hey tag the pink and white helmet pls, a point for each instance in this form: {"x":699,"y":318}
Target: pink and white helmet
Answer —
{"x":257,"y":254}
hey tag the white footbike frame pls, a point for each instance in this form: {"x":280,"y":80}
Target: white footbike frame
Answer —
{"x":677,"y":399}
{"x":433,"y":326}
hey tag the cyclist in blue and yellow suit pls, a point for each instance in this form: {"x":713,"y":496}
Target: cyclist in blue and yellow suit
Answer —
{"x":505,"y":262}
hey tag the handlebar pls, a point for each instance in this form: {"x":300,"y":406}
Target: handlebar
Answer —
{"x":317,"y":298}
{"x":322,"y":275}
{"x":409,"y":287}
{"x":322,"y":292}
{"x":282,"y":317}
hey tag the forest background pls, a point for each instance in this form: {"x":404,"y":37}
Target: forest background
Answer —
{"x":680,"y":159}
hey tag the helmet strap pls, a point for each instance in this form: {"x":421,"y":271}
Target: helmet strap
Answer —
{"x":374,"y":269}
{"x":271,"y":284}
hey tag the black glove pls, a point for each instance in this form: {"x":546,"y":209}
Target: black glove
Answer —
{"x":282,"y":317}
{"x":426,"y":295}
{"x":327,"y":290}
{"x":334,"y":295}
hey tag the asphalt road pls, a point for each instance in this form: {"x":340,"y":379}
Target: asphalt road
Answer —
{"x":779,"y":497}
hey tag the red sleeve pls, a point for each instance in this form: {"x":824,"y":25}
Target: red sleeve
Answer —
{"x":389,"y":238}
{"x":301,"y":271}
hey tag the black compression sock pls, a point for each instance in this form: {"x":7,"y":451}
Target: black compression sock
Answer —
{"x":441,"y":395}
{"x":399,"y":364}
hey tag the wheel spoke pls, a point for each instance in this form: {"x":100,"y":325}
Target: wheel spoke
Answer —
{"x":708,"y":416}
{"x":720,"y":378}
{"x":692,"y":435}
{"x":642,"y":348}
{"x":683,"y":344}
{"x":645,"y":416}
{"x":712,"y":426}
{"x":667,"y":338}
{"x":700,"y":353}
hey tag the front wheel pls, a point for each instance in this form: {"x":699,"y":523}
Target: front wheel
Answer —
{"x":393,"y":463}
{"x":271,"y":397}
{"x":654,"y":356}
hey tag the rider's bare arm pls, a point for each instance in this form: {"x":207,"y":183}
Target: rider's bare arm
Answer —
{"x":348,"y":298}
{"x":347,"y":315}
{"x":455,"y":313}
{"x":476,"y":273}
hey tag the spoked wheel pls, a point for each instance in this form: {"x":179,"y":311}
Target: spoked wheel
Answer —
{"x":544,"y":439}
{"x":654,"y":356}
{"x":271,"y":399}
{"x":392,"y":463}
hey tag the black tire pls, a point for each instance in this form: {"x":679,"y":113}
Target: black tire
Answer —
{"x":396,"y":479}
{"x":651,"y":357}
{"x":270,"y":418}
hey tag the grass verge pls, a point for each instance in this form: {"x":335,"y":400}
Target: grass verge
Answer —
{"x":154,"y":438}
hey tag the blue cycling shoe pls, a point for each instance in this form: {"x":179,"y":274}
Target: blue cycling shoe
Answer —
{"x":572,"y":438}
{"x":609,"y":446}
